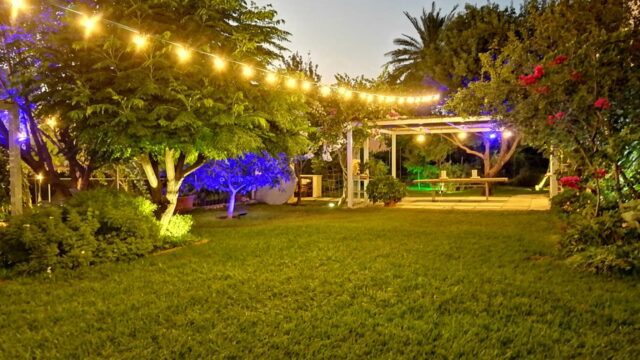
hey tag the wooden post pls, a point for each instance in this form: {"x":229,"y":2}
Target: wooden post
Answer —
{"x":553,"y":178}
{"x":15,"y":162}
{"x":393,"y":155}
{"x":365,"y":160}
{"x":350,"y":167}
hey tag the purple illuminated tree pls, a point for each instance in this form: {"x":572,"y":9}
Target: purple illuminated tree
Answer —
{"x":241,"y":175}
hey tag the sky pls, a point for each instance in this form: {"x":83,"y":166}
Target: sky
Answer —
{"x":351,"y":36}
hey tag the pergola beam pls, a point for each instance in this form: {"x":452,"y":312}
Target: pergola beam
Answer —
{"x":426,"y":121}
{"x":449,"y":130}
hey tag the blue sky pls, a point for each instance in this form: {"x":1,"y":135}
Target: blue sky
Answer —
{"x":350,"y":36}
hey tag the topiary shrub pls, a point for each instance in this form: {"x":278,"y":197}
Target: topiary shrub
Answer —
{"x":386,"y":189}
{"x":92,"y":227}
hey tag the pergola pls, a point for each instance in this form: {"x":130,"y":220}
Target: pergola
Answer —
{"x":415,"y":126}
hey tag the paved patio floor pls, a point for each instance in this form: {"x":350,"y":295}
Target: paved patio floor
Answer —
{"x":516,"y":202}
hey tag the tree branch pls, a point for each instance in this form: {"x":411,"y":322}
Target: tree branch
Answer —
{"x":459,"y":144}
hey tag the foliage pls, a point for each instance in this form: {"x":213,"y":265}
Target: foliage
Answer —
{"x":571,"y":201}
{"x":375,"y":168}
{"x":5,"y":200}
{"x":331,"y":284}
{"x":92,"y":227}
{"x":242,"y":175}
{"x":386,"y":189}
{"x":177,"y":232}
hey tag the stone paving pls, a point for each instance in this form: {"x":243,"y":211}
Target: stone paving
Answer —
{"x":515,"y":203}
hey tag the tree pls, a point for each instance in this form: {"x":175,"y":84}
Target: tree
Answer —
{"x":241,"y":175}
{"x":171,"y":113}
{"x":413,"y":56}
{"x":571,"y":89}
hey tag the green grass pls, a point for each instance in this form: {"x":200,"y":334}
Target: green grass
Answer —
{"x":316,"y":282}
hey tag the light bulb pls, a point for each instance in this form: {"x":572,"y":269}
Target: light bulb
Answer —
{"x":421,"y":138}
{"x":306,"y":85}
{"x":462,"y":135}
{"x":90,"y":24}
{"x":219,"y":64}
{"x":140,"y":41}
{"x":325,"y":91}
{"x":271,"y":78}
{"x":247,"y":71}
{"x":291,"y":83}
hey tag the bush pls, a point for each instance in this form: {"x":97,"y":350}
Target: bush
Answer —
{"x":92,"y":227}
{"x":607,"y":243}
{"x":386,"y":189}
{"x":177,"y":232}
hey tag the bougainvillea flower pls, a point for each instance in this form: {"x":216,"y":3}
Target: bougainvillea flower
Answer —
{"x":600,"y":173}
{"x":526,"y":80}
{"x":542,"y":89}
{"x":551,"y":119}
{"x":560,"y":59}
{"x":576,"y":75}
{"x":572,"y":182}
{"x":559,"y":115}
{"x":602,"y":103}
{"x":538,"y":71}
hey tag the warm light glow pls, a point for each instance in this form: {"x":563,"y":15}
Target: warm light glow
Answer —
{"x":332,"y":205}
{"x":362,"y":96}
{"x":411,"y":100}
{"x":16,"y":7}
{"x":390,"y":99}
{"x":52,"y":122}
{"x":348,"y":94}
{"x":39,"y":177}
{"x":325,"y":91}
{"x":421,"y":138}
{"x":271,"y":78}
{"x":247,"y":71}
{"x":507,"y":134}
{"x":140,"y":41}
{"x":369,"y":97}
{"x":402,"y":100}
{"x":219,"y":64}
{"x":90,"y":24}
{"x":462,"y":135}
{"x":183,"y":54}
{"x":436,"y":97}
{"x":291,"y":83}
{"x":381,"y":98}
{"x":306,"y":86}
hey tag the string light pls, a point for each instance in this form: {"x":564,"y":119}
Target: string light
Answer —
{"x":291,"y":83}
{"x":219,"y":64}
{"x":421,"y":138}
{"x":507,"y":134}
{"x":247,"y":71}
{"x":183,"y":53}
{"x":90,"y":24}
{"x":16,"y":7}
{"x":325,"y":91}
{"x":140,"y":41}
{"x":362,"y":96}
{"x":271,"y":78}
{"x":462,"y":135}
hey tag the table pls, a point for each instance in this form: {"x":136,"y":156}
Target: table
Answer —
{"x":484,"y":181}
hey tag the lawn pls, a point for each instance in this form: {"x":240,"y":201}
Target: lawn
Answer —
{"x":326,"y":283}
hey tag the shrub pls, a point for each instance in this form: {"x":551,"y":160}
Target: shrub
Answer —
{"x":386,"y":189}
{"x":92,"y":227}
{"x":571,"y":201}
{"x":177,"y":232}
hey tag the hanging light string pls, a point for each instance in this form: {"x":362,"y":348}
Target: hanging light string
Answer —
{"x":184,"y":53}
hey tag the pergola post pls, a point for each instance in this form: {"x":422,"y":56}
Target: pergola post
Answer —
{"x":350,"y":167}
{"x":15,"y":161}
{"x":553,"y":178}
{"x":393,"y":155}
{"x":365,"y":160}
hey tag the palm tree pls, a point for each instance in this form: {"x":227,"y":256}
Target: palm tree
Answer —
{"x":412,"y":52}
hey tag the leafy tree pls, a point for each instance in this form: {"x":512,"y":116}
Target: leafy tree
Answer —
{"x":417,"y":54}
{"x":571,"y":89}
{"x":167,"y":113}
{"x":241,"y":175}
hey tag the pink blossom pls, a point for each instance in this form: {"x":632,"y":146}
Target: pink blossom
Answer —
{"x":600,"y":173}
{"x":560,"y":59}
{"x":559,"y":115}
{"x":542,"y":89}
{"x":572,"y":182}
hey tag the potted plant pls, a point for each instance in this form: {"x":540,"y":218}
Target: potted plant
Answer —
{"x":186,"y":198}
{"x":386,"y":189}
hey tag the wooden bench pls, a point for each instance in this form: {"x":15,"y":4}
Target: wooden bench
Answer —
{"x":482,"y":181}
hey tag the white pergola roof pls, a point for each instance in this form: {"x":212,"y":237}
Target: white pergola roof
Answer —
{"x":436,"y":125}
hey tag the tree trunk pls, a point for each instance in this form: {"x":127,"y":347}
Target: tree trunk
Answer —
{"x":232,"y":204}
{"x":298,"y":172}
